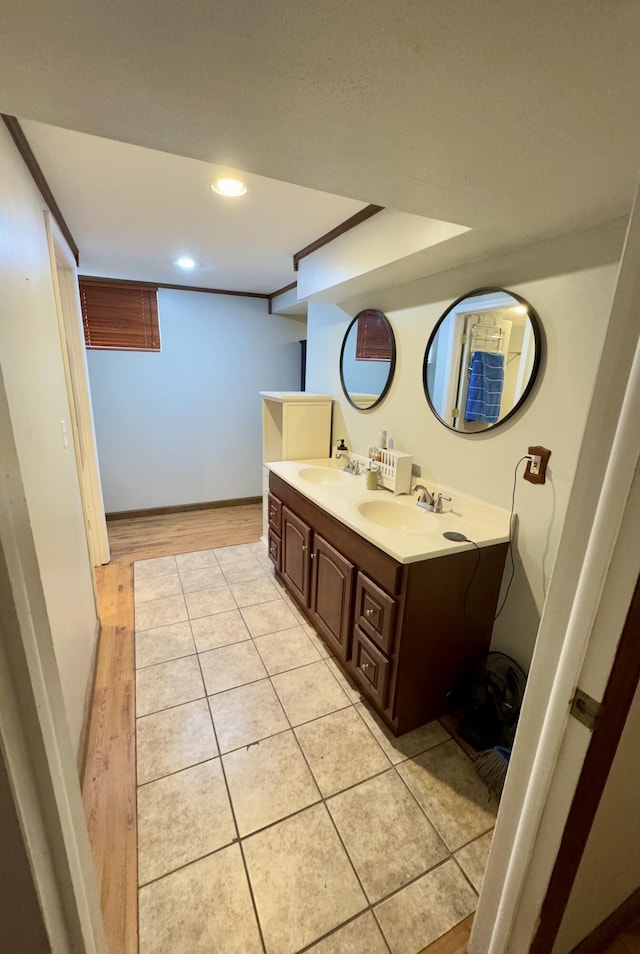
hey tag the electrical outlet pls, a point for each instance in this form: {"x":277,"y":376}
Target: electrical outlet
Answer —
{"x":536,"y":470}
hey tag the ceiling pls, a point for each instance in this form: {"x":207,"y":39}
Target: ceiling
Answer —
{"x":134,"y":211}
{"x":519,"y":120}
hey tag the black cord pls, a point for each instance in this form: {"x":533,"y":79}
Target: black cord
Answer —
{"x":473,"y":573}
{"x":510,"y":547}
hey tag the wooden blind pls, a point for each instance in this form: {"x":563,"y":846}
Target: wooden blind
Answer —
{"x":119,"y":315}
{"x":374,"y":341}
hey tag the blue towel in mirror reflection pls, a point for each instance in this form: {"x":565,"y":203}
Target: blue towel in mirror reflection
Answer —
{"x":485,"y":387}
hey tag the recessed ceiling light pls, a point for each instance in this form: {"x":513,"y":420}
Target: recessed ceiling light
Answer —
{"x":229,"y":187}
{"x":186,"y":262}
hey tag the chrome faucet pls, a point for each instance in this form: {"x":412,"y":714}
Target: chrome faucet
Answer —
{"x":352,"y":466}
{"x":425,"y":499}
{"x":432,"y":502}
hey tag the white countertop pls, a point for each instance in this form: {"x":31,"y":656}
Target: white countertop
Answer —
{"x":289,"y":397}
{"x":341,"y":494}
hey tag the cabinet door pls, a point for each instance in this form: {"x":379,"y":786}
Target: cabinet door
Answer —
{"x":275,"y":514}
{"x":370,"y":667}
{"x":296,"y":538}
{"x":331,"y":588}
{"x":375,"y":613}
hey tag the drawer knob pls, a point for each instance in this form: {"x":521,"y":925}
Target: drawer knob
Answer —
{"x":365,"y":666}
{"x":369,"y":612}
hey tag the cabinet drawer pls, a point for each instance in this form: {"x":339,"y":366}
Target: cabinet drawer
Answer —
{"x":375,"y":613}
{"x":275,"y":550}
{"x":275,"y":515}
{"x":370,"y":667}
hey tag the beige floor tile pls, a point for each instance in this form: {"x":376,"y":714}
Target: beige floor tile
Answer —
{"x":270,"y":617}
{"x":309,"y":692}
{"x":204,"y":578}
{"x":387,"y":836}
{"x":233,"y":554}
{"x":361,"y":936}
{"x":163,"y":643}
{"x":203,"y":908}
{"x":345,"y":682}
{"x":287,"y":649}
{"x":317,"y":641}
{"x":157,"y":587}
{"x":158,"y":566}
{"x":168,"y":684}
{"x":340,"y":750}
{"x":231,"y":666}
{"x":302,"y":881}
{"x":196,"y":560}
{"x":243,"y":570}
{"x":208,"y":602}
{"x":473,"y":859}
{"x":170,"y":609}
{"x":182,"y":818}
{"x":399,"y":748}
{"x":268,"y":780}
{"x":246,"y":715}
{"x":455,"y":800}
{"x":426,"y":909}
{"x":174,"y":739}
{"x":262,"y":590}
{"x":221,"y":629}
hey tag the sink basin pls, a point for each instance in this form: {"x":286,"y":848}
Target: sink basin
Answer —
{"x":322,"y":475}
{"x":396,"y":516}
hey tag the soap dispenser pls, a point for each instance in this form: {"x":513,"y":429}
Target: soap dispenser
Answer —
{"x":342,"y":451}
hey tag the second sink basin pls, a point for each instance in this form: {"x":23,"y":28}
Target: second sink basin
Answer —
{"x":322,"y":475}
{"x":395,"y":516}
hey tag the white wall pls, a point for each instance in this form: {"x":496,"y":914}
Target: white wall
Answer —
{"x":570,"y":282}
{"x":31,"y":361}
{"x":184,"y":425}
{"x":609,"y":871}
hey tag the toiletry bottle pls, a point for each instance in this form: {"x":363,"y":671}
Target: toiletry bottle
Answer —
{"x":372,"y":475}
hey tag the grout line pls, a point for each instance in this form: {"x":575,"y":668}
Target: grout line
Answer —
{"x":235,"y":822}
{"x":465,"y":875}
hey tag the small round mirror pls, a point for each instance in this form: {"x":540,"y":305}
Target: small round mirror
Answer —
{"x":367,"y":359}
{"x":482,"y":360}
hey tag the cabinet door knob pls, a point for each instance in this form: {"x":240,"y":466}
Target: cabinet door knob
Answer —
{"x":365,"y":666}
{"x":304,"y":547}
{"x":369,"y":612}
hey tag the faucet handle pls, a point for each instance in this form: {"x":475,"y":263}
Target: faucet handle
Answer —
{"x":437,"y":505}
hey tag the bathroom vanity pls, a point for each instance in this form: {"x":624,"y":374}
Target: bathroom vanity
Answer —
{"x":393,"y":600}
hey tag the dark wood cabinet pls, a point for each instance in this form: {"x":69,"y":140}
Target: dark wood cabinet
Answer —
{"x":331,"y":593}
{"x":404,"y":632}
{"x":296,"y":539}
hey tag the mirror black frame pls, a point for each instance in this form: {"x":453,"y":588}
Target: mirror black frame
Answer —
{"x":537,"y":334}
{"x":392,"y":364}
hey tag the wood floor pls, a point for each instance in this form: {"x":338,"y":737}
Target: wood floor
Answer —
{"x":109,"y":780}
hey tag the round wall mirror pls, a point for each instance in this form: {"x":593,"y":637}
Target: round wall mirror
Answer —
{"x":482,"y":360}
{"x":367,"y":359}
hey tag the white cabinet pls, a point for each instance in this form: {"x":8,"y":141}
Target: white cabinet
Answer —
{"x":295,"y":426}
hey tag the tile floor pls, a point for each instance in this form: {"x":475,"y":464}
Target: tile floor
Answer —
{"x":275,"y":813}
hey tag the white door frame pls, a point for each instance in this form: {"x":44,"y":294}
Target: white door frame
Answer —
{"x":34,"y":735}
{"x":574,"y":644}
{"x":65,"y":286}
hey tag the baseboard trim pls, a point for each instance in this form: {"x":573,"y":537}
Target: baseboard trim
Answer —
{"x":81,"y":754}
{"x":183,"y":508}
{"x":594,"y":943}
